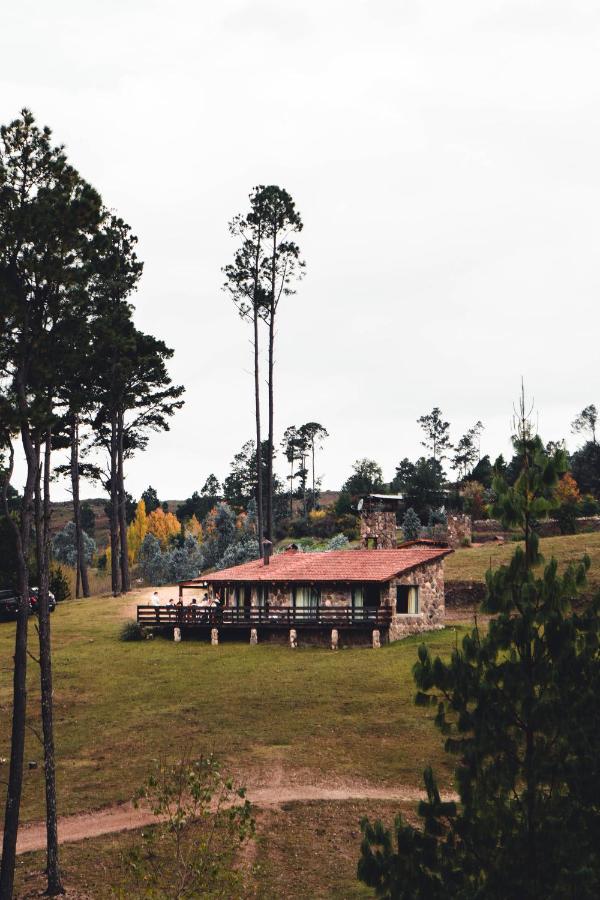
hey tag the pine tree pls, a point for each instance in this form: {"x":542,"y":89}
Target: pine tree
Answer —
{"x":517,"y":707}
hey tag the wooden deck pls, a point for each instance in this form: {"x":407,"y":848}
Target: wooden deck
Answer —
{"x":272,"y":617}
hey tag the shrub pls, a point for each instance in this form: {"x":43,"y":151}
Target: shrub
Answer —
{"x":338,"y":542}
{"x":588,"y":506}
{"x":132,"y":631}
{"x":59,"y":584}
{"x":202,"y":818}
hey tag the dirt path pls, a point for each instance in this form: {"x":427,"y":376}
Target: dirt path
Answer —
{"x":125,"y":817}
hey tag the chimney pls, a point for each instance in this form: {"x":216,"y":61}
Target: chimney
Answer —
{"x":267,"y":550}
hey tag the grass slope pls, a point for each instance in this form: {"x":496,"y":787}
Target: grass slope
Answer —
{"x":471,"y":563}
{"x":266,"y":710}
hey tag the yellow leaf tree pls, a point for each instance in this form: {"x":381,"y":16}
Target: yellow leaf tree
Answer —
{"x":163,"y":526}
{"x":194,"y":528}
{"x":136,"y":532}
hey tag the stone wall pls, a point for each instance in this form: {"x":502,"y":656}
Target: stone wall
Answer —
{"x":381,"y":526}
{"x":430,"y":581}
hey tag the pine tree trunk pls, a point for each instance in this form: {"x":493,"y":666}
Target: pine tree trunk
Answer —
{"x":259,"y":470}
{"x":314,"y":492}
{"x":114,"y":511}
{"x":271,"y":419}
{"x":125,"y":577}
{"x":43,"y":552}
{"x":82,"y":574}
{"x":17,"y":743}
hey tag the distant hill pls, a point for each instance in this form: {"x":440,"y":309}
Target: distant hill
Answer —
{"x":63,"y":512}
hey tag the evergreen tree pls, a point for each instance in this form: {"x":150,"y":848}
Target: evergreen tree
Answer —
{"x":411,"y":525}
{"x":514,"y":704}
{"x":282,"y":268}
{"x":151,"y":501}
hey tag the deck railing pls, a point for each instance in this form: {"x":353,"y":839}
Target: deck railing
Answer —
{"x":283,"y":617}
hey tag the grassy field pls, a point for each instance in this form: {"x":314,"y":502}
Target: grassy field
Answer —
{"x":471,"y":563}
{"x":301,"y":851}
{"x":309,"y":715}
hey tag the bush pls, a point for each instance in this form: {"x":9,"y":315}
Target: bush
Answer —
{"x":338,"y":542}
{"x":132,"y":631}
{"x":59,"y":584}
{"x":588,"y":506}
{"x":202,"y":818}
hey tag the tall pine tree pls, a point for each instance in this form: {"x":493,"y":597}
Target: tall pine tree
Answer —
{"x":517,"y":706}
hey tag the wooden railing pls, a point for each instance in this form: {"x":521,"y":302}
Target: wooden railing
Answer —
{"x":283,"y":617}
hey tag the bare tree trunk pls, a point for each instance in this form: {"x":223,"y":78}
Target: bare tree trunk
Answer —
{"x":17,"y":743}
{"x":82,"y":574}
{"x":114,"y":511}
{"x":259,"y":472}
{"x":125,"y":578}
{"x":271,"y":419}
{"x":43,"y":556}
{"x":314,"y":493}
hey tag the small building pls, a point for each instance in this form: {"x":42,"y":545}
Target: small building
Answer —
{"x":396,"y":591}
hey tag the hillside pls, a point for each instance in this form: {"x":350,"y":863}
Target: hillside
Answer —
{"x":471,"y":563}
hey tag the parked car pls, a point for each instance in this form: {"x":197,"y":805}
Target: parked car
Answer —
{"x":9,"y":603}
{"x":33,"y":599}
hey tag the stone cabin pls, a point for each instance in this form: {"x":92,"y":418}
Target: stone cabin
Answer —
{"x":399,"y":591}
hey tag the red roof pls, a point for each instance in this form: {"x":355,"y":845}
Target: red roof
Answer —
{"x":333,"y":565}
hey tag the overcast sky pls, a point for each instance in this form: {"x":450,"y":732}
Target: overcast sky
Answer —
{"x":444,"y":157}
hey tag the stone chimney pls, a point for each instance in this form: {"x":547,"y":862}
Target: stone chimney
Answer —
{"x":378,"y":522}
{"x":267,"y":551}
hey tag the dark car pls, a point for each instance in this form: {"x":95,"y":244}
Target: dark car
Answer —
{"x":9,"y":603}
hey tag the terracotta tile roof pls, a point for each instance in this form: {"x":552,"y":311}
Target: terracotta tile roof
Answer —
{"x":333,"y":565}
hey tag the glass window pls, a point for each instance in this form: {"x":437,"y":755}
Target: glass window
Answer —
{"x":358,"y":597}
{"x":407,"y":599}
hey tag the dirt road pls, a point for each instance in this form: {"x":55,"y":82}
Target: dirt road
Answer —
{"x":125,"y":817}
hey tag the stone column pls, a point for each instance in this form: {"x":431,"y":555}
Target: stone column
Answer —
{"x":177,"y":635}
{"x":214,"y":636}
{"x":334,"y":638}
{"x":293,"y":638}
{"x":376,"y":639}
{"x":253,"y":636}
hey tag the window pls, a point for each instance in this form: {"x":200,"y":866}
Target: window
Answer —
{"x":358,"y":597}
{"x":371,"y":543}
{"x":407,"y":599}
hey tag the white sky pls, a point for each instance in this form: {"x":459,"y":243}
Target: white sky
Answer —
{"x":444,"y":157}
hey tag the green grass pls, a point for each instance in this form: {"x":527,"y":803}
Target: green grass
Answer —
{"x":328,"y":716}
{"x":471,"y":564}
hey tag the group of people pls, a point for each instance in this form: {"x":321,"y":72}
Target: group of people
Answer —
{"x":206,"y":601}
